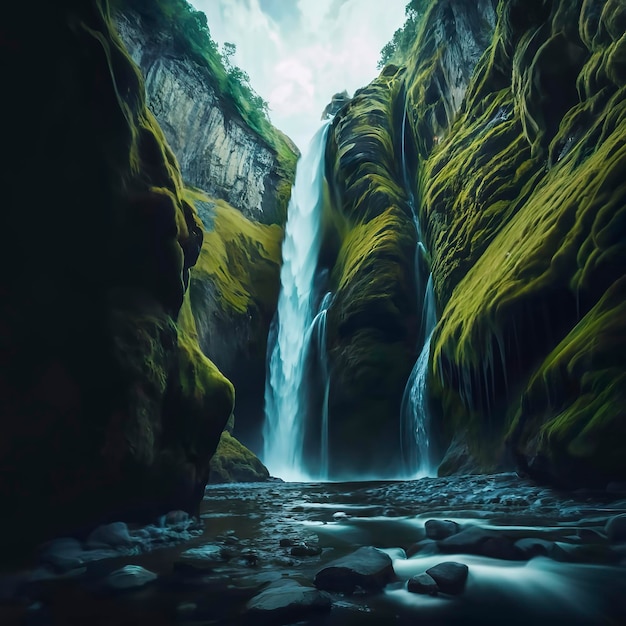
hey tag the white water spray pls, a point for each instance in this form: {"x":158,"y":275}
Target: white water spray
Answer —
{"x":288,"y":347}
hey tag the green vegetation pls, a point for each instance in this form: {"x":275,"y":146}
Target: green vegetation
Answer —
{"x":370,"y":324}
{"x":242,"y":259}
{"x":524,"y":200}
{"x":233,"y":462}
{"x":191,"y":35}
{"x":397,"y":50}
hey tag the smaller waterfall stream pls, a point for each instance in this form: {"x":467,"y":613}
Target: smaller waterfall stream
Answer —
{"x":286,"y":389}
{"x":414,"y":416}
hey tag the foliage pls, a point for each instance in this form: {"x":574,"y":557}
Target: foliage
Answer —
{"x":397,"y":50}
{"x":190,"y":32}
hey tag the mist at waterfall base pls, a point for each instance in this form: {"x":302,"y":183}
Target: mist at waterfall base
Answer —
{"x":297,"y":369}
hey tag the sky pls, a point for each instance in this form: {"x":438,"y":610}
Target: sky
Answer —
{"x":298,"y":53}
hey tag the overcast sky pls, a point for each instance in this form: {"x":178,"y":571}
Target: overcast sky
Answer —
{"x":298,"y":53}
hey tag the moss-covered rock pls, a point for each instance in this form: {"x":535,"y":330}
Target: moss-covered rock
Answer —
{"x":107,"y":409}
{"x":234,"y":293}
{"x":370,"y":337}
{"x":233,"y":462}
{"x":524,"y":200}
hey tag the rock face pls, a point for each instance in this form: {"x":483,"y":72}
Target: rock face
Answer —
{"x":108,"y":408}
{"x":216,"y":150}
{"x":515,"y":161}
{"x":374,"y":321}
{"x":245,"y":178}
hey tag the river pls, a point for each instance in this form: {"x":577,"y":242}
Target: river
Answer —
{"x":548,"y":559}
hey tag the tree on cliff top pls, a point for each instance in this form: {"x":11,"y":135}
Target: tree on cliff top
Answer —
{"x":397,"y":49}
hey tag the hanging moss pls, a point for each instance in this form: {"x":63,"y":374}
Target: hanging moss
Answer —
{"x":524,"y":201}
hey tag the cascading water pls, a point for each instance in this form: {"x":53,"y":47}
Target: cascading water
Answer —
{"x":414,"y":416}
{"x":286,"y":393}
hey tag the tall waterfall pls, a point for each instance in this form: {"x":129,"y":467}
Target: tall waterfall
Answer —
{"x":298,"y":322}
{"x":414,"y":416}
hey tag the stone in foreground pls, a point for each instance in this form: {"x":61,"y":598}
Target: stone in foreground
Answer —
{"x":286,"y":601}
{"x":423,"y":583}
{"x":130,"y":577}
{"x":440,"y":529}
{"x":367,"y":568}
{"x":449,"y":576}
{"x":616,"y":528}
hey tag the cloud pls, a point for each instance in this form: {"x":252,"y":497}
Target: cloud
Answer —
{"x":298,"y":53}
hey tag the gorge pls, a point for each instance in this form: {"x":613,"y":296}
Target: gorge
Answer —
{"x":423,"y":336}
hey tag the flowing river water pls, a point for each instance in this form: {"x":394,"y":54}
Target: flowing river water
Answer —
{"x":534,"y":556}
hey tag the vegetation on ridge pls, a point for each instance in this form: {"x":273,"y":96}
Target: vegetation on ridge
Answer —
{"x":190,"y":32}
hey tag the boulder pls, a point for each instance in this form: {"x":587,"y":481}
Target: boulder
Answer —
{"x":440,"y":529}
{"x":449,"y":576}
{"x":615,"y":528}
{"x":367,"y":568}
{"x":286,"y":601}
{"x":130,"y":577}
{"x":530,"y":547}
{"x":423,"y":583}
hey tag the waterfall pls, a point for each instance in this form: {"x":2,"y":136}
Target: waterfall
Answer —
{"x":286,"y":392}
{"x":325,"y":375}
{"x":414,"y":416}
{"x":415,"y":422}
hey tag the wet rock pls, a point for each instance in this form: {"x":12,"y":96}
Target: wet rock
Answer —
{"x":286,"y":543}
{"x":286,"y":601}
{"x":593,"y":553}
{"x":530,"y":547}
{"x":500,"y":548}
{"x":367,"y":568}
{"x":304,"y":549}
{"x":424,"y":548}
{"x":63,"y":554}
{"x":129,"y":577}
{"x":615,"y":528}
{"x":590,"y":535}
{"x":176,"y":517}
{"x":449,"y":576}
{"x":200,"y":559}
{"x":110,"y":535}
{"x":423,"y":583}
{"x":339,"y":515}
{"x":468,"y":540}
{"x":440,"y":529}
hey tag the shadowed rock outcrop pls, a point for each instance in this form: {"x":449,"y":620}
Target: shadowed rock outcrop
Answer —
{"x":108,"y":407}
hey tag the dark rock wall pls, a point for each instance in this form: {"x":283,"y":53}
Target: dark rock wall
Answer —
{"x":107,"y":408}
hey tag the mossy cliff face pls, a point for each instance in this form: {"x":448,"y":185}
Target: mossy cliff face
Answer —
{"x":524,"y":200}
{"x":245,"y":181}
{"x":370,"y":337}
{"x":517,"y":161}
{"x":109,"y":410}
{"x":234,"y":292}
{"x":373,"y":331}
{"x":217,"y":151}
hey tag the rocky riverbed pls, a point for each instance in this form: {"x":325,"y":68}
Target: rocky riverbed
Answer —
{"x":486,"y":549}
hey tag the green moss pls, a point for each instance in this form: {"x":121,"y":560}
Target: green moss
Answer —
{"x":233,"y":462}
{"x":525,"y":218}
{"x":242,"y":259}
{"x":190,"y":33}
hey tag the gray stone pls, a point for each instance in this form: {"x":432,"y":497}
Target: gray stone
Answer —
{"x":286,"y":601}
{"x":530,"y":547}
{"x":424,"y":547}
{"x":423,"y":583}
{"x":449,"y":576}
{"x":201,"y":559}
{"x":367,"y":568}
{"x":129,"y":577}
{"x":469,"y":540}
{"x":304,"y":549}
{"x":440,"y":529}
{"x":615,"y":528}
